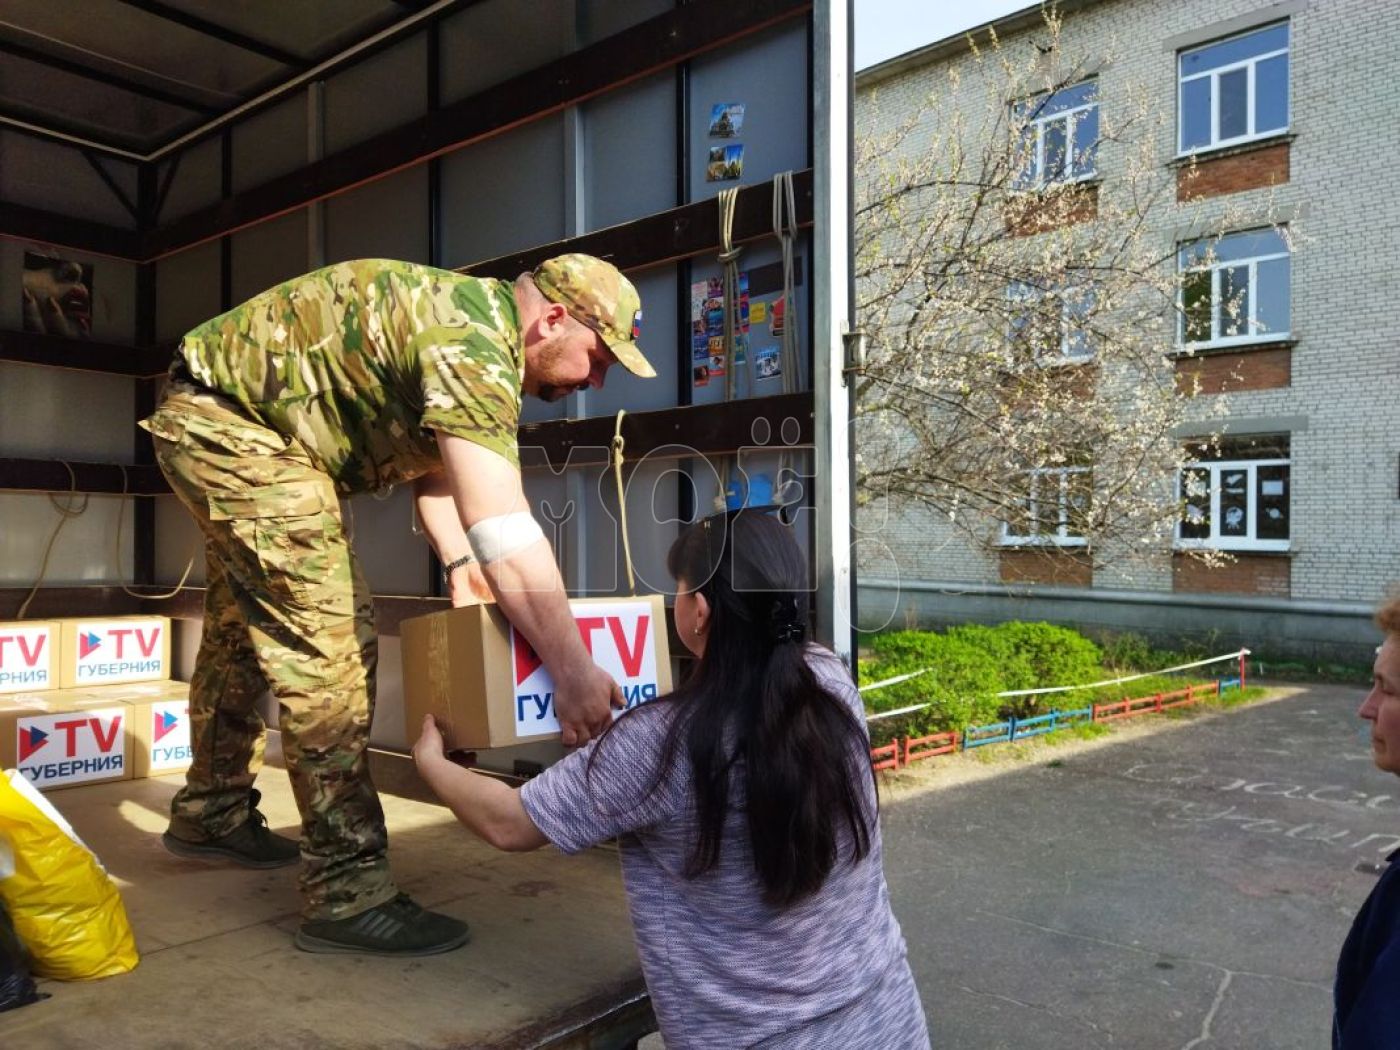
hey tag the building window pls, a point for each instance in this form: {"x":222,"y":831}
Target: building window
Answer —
{"x":1059,"y":136}
{"x":1234,"y":90}
{"x":1235,"y":290}
{"x":1053,"y":508}
{"x":1051,"y":326}
{"x":1240,"y":501}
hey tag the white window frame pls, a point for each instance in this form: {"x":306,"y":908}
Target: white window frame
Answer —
{"x":1217,"y":310}
{"x":1249,"y":541}
{"x":1216,"y":142}
{"x":1061,"y":537}
{"x":1031,"y":297}
{"x":1036,"y":125}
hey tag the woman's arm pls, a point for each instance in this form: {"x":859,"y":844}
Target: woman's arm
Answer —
{"x":490,"y":809}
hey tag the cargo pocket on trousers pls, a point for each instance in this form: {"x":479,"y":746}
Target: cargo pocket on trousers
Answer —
{"x":283,"y":528}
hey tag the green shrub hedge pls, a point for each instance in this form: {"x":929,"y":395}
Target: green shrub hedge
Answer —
{"x":961,"y":688}
{"x":972,"y":663}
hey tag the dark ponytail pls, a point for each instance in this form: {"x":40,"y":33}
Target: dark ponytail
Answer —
{"x":752,"y":703}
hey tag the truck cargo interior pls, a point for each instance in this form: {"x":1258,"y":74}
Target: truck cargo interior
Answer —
{"x":160,"y":162}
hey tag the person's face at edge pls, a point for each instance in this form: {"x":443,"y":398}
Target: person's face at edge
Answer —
{"x":1382,"y":706}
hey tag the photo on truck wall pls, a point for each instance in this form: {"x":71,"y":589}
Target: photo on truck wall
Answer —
{"x":56,"y":296}
{"x":726,"y":119}
{"x":726,"y":164}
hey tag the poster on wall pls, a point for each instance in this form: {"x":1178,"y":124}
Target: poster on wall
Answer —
{"x":775,"y":315}
{"x":726,"y":163}
{"x":726,"y":119}
{"x":767,"y":363}
{"x":707,"y":328}
{"x":57,"y":296}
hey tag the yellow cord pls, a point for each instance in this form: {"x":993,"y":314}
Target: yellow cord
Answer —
{"x":729,"y":259}
{"x":117,"y":550}
{"x":65,"y":513}
{"x":618,"y":445}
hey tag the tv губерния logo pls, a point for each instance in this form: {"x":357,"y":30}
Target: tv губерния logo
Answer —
{"x":620,"y":639}
{"x":23,"y":647}
{"x":30,"y":739}
{"x":72,"y":747}
{"x":162,"y":724}
{"x":26,"y":657}
{"x":111,"y":652}
{"x":77,"y":731}
{"x":128,"y":643}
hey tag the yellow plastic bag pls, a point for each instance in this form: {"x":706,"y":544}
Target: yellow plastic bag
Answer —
{"x":65,"y":907}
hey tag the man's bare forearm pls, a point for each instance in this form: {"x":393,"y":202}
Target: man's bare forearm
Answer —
{"x":531,"y":593}
{"x":525,"y":582}
{"x":437,"y":514}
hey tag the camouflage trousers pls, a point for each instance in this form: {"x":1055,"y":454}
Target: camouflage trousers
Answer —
{"x":286,"y":609}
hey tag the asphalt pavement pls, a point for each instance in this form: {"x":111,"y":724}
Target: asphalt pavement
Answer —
{"x":1187,"y":889}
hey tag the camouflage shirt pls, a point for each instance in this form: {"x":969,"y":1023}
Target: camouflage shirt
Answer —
{"x":363,"y":360}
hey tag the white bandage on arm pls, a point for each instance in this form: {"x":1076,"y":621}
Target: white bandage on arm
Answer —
{"x":495,"y":538}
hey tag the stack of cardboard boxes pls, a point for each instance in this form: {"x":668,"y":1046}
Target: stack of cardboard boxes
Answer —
{"x":89,"y":700}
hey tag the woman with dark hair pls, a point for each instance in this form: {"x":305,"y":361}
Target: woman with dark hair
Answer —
{"x":746,"y":812}
{"x":1367,"y":993}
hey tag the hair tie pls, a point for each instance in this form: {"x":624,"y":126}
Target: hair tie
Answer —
{"x":784,"y":625}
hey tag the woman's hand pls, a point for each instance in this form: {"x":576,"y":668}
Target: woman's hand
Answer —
{"x":428,"y":751}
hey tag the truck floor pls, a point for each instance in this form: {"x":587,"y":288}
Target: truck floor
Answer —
{"x":551,"y":950}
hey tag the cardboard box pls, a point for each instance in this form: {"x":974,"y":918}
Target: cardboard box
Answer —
{"x":28,"y":656}
{"x":486,"y":687}
{"x":113,"y":650}
{"x":160,"y":727}
{"x":160,"y":723}
{"x":58,"y":739}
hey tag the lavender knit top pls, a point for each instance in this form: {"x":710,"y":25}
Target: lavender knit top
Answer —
{"x":723,"y":968}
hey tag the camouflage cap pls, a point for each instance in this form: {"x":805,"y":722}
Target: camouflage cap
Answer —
{"x":596,"y":294}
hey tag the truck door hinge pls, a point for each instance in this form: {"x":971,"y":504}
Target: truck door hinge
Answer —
{"x":853,"y":343}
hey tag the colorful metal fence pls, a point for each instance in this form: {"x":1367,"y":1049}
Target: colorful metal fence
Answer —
{"x":981,"y":736}
{"x":918,"y":748}
{"x":886,"y":757}
{"x":907,"y":750}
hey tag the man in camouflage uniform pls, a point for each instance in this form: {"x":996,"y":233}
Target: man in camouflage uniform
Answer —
{"x":354,"y":378}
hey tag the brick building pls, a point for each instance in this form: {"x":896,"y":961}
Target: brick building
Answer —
{"x":1285,"y":102}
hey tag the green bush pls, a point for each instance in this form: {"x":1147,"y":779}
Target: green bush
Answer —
{"x":1016,"y":669}
{"x":1141,"y":687}
{"x":1131,"y":652}
{"x":887,"y":730}
{"x":1056,"y":655}
{"x":1294,"y":670}
{"x":972,"y":663}
{"x":960,"y":687}
{"x":1051,"y":656}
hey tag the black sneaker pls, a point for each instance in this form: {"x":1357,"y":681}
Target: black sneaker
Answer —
{"x":250,"y":844}
{"x":396,"y":927}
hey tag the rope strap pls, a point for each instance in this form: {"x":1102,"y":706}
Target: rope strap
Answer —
{"x":66,"y":511}
{"x":785,"y":229}
{"x":729,"y":257}
{"x":117,"y":548}
{"x":618,"y":446}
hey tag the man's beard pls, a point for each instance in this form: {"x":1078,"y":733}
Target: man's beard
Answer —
{"x":550,"y":392}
